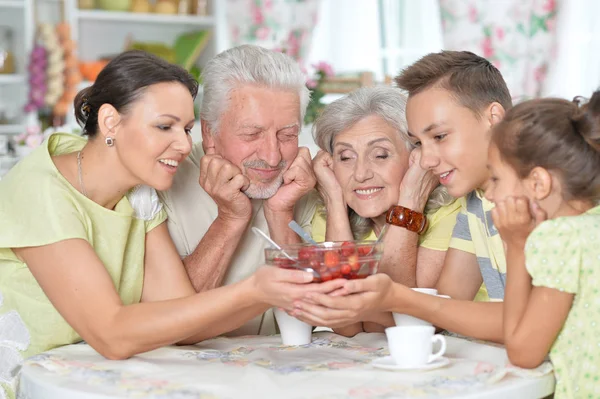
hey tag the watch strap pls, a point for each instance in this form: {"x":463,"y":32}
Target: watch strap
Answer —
{"x":404,"y":217}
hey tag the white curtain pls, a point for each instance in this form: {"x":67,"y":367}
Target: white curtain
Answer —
{"x":347,"y":36}
{"x":576,"y":68}
{"x":381,"y":36}
{"x":409,"y":30}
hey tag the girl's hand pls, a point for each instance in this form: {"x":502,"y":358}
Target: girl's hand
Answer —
{"x":515,"y":218}
{"x":417,"y":184}
{"x":327,"y":183}
{"x":356,"y":301}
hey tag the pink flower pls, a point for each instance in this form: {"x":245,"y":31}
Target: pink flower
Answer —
{"x":33,"y":141}
{"x":539,"y":73}
{"x":235,"y":34}
{"x":473,"y":14}
{"x":486,"y":46}
{"x":551,"y":24}
{"x":32,"y":129}
{"x":325,"y":68}
{"x":311,"y":83}
{"x":549,"y":5}
{"x":268,"y":4}
{"x":20,"y":139}
{"x":262,"y":33}
{"x":257,"y":16}
{"x":500,"y":33}
{"x":293,"y":45}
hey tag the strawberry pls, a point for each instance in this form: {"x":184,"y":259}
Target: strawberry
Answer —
{"x":346,"y":269}
{"x":305,"y":253}
{"x":332,"y":259}
{"x":348,"y":249}
{"x":364,"y":250}
{"x":283,"y":263}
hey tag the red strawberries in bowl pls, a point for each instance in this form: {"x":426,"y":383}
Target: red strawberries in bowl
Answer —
{"x":329,"y":260}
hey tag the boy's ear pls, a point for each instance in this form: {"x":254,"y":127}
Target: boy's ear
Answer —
{"x":540,"y":183}
{"x":495,"y":113}
{"x":208,"y":140}
{"x":108,"y":119}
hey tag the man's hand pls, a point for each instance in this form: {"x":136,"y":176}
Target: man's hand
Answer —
{"x":328,"y":186}
{"x":417,"y":183}
{"x":298,"y":180}
{"x":224,"y":182}
{"x":515,"y":218}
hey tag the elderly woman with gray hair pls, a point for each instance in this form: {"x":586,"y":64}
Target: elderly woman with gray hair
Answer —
{"x":368,"y":174}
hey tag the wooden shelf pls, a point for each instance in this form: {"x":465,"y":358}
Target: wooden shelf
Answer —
{"x":131,"y":17}
{"x":12,"y":129}
{"x":13,"y":78}
{"x":12,"y":3}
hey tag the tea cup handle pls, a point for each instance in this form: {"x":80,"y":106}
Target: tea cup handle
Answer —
{"x":438,"y":354}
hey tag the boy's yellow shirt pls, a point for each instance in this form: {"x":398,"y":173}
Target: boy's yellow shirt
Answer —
{"x":475,"y":233}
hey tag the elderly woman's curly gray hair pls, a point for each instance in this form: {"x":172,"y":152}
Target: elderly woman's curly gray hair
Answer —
{"x":389,"y":104}
{"x":248,"y":65}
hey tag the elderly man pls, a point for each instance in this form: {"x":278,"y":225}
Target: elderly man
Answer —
{"x":248,"y":171}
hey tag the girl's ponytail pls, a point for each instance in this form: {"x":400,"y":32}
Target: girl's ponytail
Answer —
{"x":586,"y":120}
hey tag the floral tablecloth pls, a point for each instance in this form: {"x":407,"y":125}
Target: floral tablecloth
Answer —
{"x":260,"y":367}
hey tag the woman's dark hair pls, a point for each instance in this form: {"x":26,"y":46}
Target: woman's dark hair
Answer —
{"x":122,"y":81}
{"x":558,"y":135}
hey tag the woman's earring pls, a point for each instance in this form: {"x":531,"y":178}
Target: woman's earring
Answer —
{"x":109,"y":141}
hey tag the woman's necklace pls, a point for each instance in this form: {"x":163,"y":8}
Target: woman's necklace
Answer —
{"x":80,"y":175}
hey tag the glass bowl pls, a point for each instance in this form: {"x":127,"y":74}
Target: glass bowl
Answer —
{"x":329,"y":260}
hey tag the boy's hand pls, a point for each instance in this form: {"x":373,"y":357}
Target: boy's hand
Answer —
{"x":515,"y":218}
{"x":417,"y":183}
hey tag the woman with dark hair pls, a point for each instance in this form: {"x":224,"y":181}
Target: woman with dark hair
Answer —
{"x":77,"y":262}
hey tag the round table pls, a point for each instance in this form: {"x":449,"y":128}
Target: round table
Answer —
{"x":330,"y":367}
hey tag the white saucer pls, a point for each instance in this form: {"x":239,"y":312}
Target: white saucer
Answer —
{"x":387,"y":363}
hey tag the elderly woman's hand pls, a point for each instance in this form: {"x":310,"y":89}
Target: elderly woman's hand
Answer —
{"x":358,"y":300}
{"x":417,"y":184}
{"x":327,"y":183}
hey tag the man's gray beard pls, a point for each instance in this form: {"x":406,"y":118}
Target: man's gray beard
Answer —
{"x":256,"y":192}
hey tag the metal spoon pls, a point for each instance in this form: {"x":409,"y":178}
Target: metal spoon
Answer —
{"x":300,"y":231}
{"x":265,"y":237}
{"x":379,"y":239}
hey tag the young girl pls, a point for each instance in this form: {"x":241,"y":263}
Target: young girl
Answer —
{"x":545,"y":162}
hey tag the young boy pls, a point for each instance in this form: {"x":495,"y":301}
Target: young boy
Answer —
{"x":454,"y":98}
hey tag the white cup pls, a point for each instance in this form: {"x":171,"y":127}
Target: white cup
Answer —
{"x":411,"y":346}
{"x":406,"y":320}
{"x":293,"y":331}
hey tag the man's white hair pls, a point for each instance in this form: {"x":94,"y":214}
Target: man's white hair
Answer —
{"x":248,"y":65}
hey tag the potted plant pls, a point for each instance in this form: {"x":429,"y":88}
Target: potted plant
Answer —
{"x":322,"y":71}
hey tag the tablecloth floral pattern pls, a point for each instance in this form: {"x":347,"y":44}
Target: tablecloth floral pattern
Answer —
{"x":330,"y":367}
